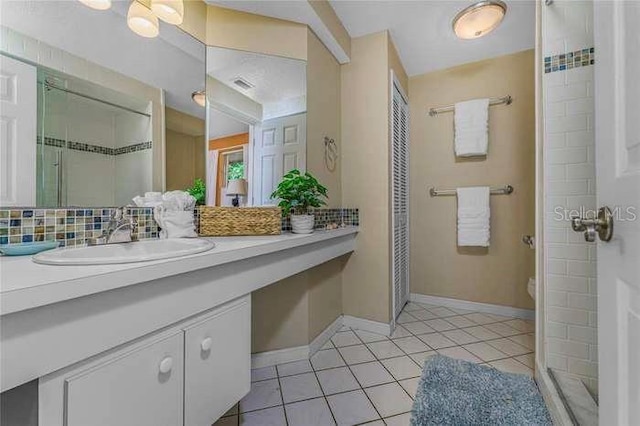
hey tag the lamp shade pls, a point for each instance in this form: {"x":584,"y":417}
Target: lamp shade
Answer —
{"x":237,"y":187}
{"x":170,"y":11}
{"x":479,"y":19}
{"x":142,"y":21}
{"x":97,"y":4}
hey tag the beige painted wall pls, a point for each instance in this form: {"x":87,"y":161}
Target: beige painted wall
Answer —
{"x":498,"y":274}
{"x":185,"y":149}
{"x":245,"y":31}
{"x":294,"y":311}
{"x":323,"y":115}
{"x":365,"y":172}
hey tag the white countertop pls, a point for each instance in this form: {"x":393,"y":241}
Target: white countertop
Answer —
{"x":25,"y":284}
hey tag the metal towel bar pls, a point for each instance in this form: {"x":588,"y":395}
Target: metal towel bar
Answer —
{"x":501,"y":190}
{"x":507,"y":100}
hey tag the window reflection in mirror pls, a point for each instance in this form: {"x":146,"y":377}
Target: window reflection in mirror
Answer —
{"x":256,"y":123}
{"x":112,"y":114}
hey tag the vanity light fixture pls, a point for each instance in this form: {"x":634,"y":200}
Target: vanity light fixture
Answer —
{"x":170,"y":11}
{"x":142,"y":21}
{"x":199,"y":97}
{"x":479,"y":19}
{"x":97,"y":4}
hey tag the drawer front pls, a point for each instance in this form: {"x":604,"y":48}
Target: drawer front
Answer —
{"x":217,"y":362}
{"x":139,"y":388}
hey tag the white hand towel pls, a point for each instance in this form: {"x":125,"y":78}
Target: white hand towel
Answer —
{"x":474,"y":214}
{"x":175,"y":215}
{"x":472,"y":128}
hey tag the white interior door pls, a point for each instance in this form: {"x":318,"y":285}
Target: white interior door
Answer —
{"x":400,"y":198}
{"x":280,"y":145}
{"x":617,"y":125}
{"x":18,"y":124}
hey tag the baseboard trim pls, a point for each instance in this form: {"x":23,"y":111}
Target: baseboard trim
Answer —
{"x":474,"y":306}
{"x":297,"y":353}
{"x":552,"y":399}
{"x":279,"y":356}
{"x":325,"y":335}
{"x":367,"y":325}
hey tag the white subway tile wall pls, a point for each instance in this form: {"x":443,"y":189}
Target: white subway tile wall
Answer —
{"x":571,"y":289}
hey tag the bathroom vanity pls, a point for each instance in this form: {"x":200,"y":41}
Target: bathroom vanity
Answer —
{"x":152,"y":343}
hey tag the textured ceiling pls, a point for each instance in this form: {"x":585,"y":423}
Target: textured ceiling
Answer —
{"x":422,"y":33}
{"x":274,"y":79}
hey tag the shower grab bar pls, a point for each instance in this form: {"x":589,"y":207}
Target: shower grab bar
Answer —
{"x":507,"y":100}
{"x":501,"y":190}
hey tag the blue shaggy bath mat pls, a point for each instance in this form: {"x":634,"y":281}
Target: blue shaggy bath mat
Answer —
{"x":455,"y":392}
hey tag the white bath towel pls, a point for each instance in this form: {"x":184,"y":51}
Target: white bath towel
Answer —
{"x":474,"y":214}
{"x":175,"y":215}
{"x":472,"y":128}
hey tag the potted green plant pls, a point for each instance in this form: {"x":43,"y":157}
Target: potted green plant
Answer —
{"x":298,"y":193}
{"x":198,"y":191}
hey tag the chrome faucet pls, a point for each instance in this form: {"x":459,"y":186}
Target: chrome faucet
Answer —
{"x":121,"y":228}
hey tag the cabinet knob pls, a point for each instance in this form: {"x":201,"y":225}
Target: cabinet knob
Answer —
{"x":166,"y":365}
{"x":206,"y":344}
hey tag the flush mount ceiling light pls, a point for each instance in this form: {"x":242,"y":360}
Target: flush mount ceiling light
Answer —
{"x":97,"y":4}
{"x":170,"y":11}
{"x":199,"y":97}
{"x":479,"y":19}
{"x":142,"y":21}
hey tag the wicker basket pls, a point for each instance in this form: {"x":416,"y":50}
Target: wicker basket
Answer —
{"x":220,"y":221}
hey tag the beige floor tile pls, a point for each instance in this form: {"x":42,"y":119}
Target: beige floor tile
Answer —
{"x":509,"y":347}
{"x":386,"y":349}
{"x":389,"y":399}
{"x":510,"y":365}
{"x":459,"y":353}
{"x":461,"y":337}
{"x":439,"y":324}
{"x":356,"y":354}
{"x":402,"y":367}
{"x":528,"y":359}
{"x":479,"y":318}
{"x":421,"y":357}
{"x":526,"y":340}
{"x":482,"y":332}
{"x":410,"y":385}
{"x":436,"y":340}
{"x":484,"y":351}
{"x":460,"y":321}
{"x":502,"y":329}
{"x":411,"y":345}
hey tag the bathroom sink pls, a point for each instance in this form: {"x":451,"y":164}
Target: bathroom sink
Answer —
{"x":139,"y":251}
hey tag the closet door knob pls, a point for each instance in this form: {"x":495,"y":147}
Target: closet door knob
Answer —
{"x":206,"y":344}
{"x":166,"y":365}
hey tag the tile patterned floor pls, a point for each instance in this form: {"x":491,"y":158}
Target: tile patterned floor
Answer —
{"x":365,"y":378}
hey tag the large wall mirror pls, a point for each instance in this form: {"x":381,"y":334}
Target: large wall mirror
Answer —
{"x":256,"y":125}
{"x":93,"y":114}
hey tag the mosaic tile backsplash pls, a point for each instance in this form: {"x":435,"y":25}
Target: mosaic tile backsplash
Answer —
{"x":569,"y":60}
{"x":324,"y":217}
{"x":69,"y":227}
{"x":73,"y":226}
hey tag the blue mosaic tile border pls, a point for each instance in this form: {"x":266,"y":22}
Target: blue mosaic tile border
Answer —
{"x":324,"y":217}
{"x":70,"y":227}
{"x":86,"y":147}
{"x":74,"y":226}
{"x":569,"y":60}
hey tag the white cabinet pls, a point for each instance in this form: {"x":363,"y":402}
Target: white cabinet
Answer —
{"x":190,"y":373}
{"x":217,"y":363}
{"x":140,"y":388}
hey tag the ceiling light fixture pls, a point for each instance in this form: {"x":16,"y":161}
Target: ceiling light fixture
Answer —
{"x":199,"y":97}
{"x":97,"y":4}
{"x":479,"y":19}
{"x":170,"y":11}
{"x":142,"y":21}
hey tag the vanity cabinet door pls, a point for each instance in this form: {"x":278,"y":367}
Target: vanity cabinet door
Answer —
{"x":217,"y":362}
{"x":139,"y":388}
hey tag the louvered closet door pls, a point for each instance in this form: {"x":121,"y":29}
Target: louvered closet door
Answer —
{"x":400,"y":189}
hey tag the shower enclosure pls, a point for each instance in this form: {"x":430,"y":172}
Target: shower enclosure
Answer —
{"x":94,"y":145}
